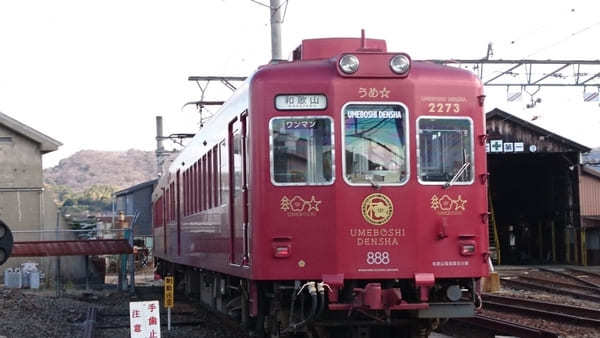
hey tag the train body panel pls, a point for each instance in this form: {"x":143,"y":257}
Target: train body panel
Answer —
{"x":371,"y":182}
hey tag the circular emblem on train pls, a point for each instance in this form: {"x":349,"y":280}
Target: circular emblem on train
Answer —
{"x":377,"y":209}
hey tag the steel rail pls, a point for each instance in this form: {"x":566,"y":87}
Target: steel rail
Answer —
{"x":561,"y":284}
{"x":538,"y":313}
{"x":506,"y":327}
{"x":593,"y":275}
{"x":536,"y":304}
{"x":571,"y":277}
{"x":173,"y":324}
{"x":88,"y":324}
{"x":542,"y":287}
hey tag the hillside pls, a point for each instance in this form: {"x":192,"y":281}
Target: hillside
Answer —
{"x":86,"y":168}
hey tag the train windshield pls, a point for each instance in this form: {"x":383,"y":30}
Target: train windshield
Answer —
{"x":445,"y":148}
{"x":375,"y":144}
{"x":301,"y":151}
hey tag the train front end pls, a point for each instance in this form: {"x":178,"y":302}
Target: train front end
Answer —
{"x":369,"y":202}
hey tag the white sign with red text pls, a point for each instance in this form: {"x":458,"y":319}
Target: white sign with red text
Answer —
{"x":145,"y":319}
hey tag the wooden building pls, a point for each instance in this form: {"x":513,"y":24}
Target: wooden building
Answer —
{"x":534,"y":186}
{"x":589,"y":196}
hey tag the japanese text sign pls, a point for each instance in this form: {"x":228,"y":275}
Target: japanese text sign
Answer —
{"x":169,"y":285}
{"x":144,"y":318}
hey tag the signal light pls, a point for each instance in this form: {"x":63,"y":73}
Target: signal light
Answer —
{"x":467,"y":249}
{"x":6,"y":242}
{"x":282,"y":251}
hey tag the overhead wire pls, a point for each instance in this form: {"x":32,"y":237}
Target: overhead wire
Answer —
{"x":565,"y":39}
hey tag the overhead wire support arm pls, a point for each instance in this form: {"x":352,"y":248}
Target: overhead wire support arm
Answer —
{"x":498,"y":71}
{"x":226,"y":80}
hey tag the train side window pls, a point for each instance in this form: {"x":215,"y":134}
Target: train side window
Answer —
{"x":302,"y":150}
{"x":224,"y":172}
{"x":195,"y":188}
{"x":445,"y":148}
{"x":237,"y":162}
{"x":215,"y":156}
{"x":375,"y":144}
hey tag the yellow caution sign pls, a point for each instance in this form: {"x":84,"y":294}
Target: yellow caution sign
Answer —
{"x":169,"y":285}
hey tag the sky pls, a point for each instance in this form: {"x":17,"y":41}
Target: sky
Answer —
{"x":94,"y":74}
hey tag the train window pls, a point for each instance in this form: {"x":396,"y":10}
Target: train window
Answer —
{"x":215,"y":156}
{"x":224,"y":173}
{"x":237,"y":162}
{"x":302,"y":150}
{"x":375,"y":151}
{"x":445,"y":150}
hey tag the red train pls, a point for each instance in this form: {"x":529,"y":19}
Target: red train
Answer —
{"x":343,"y":192}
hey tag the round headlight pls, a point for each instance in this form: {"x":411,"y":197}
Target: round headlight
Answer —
{"x":349,"y":64}
{"x":400,"y":64}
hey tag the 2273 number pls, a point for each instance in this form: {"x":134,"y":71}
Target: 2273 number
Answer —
{"x":443,"y":107}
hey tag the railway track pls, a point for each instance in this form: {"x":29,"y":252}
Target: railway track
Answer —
{"x":89,"y":323}
{"x":575,"y":278}
{"x":506,"y":327}
{"x":562,"y":285}
{"x":549,"y":288}
{"x":592,"y":277}
{"x":539,"y":309}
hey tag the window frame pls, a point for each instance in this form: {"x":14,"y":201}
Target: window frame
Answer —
{"x":418,"y":149}
{"x":406,"y":146}
{"x":272,"y":156}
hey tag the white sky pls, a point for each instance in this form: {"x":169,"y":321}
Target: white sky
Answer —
{"x":94,"y":74}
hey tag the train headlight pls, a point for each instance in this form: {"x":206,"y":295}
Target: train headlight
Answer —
{"x":400,"y":64}
{"x":349,"y":64}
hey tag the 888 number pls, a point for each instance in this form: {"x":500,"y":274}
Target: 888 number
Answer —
{"x":378,"y":257}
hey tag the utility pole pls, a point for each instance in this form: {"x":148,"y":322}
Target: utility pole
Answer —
{"x":275,"y":30}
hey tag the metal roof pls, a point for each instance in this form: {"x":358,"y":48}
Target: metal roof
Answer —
{"x":71,"y":248}
{"x":136,"y":187}
{"x":591,"y":171}
{"x":557,"y":138}
{"x":47,"y":144}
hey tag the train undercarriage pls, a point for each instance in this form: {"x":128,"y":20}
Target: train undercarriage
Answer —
{"x":353,"y":309}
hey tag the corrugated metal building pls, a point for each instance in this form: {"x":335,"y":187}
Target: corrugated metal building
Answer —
{"x":589,"y":195}
{"x":137,"y":201}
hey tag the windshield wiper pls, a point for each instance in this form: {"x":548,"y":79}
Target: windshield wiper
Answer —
{"x":457,"y":175}
{"x":373,"y":184}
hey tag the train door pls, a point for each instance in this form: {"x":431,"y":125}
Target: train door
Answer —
{"x":178,"y":211}
{"x":238,"y":194}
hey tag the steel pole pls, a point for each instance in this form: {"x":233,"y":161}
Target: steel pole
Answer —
{"x":57,"y":257}
{"x":275,"y":30}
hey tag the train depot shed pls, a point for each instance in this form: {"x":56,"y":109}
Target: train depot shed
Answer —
{"x":534,"y":186}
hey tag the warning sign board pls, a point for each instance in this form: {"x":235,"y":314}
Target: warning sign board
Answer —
{"x":144,"y":318}
{"x":169,"y":285}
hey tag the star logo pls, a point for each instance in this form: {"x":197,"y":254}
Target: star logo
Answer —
{"x":313,"y":204}
{"x":460,"y":203}
{"x":384,"y":93}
